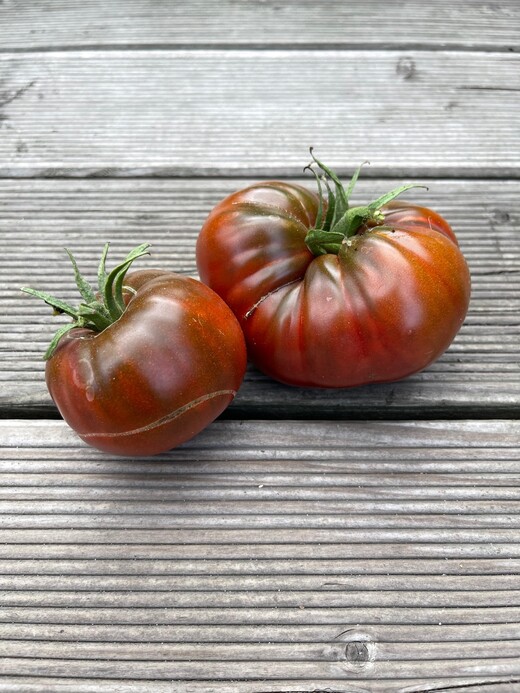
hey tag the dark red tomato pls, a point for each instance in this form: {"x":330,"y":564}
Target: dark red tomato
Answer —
{"x":330,"y":295}
{"x":157,"y":375}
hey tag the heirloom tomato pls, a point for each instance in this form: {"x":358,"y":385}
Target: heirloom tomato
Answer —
{"x":334,"y":295}
{"x":148,"y":361}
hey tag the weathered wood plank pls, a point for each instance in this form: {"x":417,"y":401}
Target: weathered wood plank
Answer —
{"x":34,"y":543}
{"x":455,"y":565}
{"x":93,"y":486}
{"x":479,"y":373}
{"x":382,"y":608}
{"x":205,"y":616}
{"x":370,"y":550}
{"x":311,"y":442}
{"x":302,"y":515}
{"x":492,"y":633}
{"x":499,"y":684}
{"x":234,"y":652}
{"x":133,"y":585}
{"x":173,"y":506}
{"x":52,"y":24}
{"x":126,"y":601}
{"x":259,"y":670}
{"x":214,"y":112}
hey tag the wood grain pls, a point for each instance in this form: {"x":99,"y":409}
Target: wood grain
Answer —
{"x":39,"y":217}
{"x":50,"y":24}
{"x":246,"y":112}
{"x":274,"y":606}
{"x":274,"y":553}
{"x":476,"y":684}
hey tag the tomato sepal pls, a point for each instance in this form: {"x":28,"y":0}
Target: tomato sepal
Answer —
{"x":342,"y":221}
{"x":98,"y":310}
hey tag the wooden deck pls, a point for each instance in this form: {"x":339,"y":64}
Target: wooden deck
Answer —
{"x":356,"y":541}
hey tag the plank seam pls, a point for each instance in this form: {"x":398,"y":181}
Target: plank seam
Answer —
{"x":262,"y":47}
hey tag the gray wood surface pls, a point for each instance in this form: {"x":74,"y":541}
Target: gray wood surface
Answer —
{"x":173,"y":595}
{"x":479,"y":371}
{"x":244,"y":112}
{"x":496,"y":684}
{"x":51,"y":24}
{"x":364,"y":541}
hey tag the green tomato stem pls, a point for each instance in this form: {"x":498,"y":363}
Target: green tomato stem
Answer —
{"x":98,"y":310}
{"x":340,"y":220}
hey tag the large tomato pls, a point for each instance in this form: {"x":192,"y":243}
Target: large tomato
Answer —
{"x":330,"y":295}
{"x":147,"y":362}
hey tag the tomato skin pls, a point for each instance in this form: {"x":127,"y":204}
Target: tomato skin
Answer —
{"x":386,"y":306}
{"x":157,"y":376}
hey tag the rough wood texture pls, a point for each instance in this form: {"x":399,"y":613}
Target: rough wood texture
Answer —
{"x":265,"y":556}
{"x":477,"y":684}
{"x":173,"y":595}
{"x":51,"y":24}
{"x":40,"y":217}
{"x":213,"y":112}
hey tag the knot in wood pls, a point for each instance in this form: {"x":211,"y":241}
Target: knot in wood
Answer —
{"x":500,"y":216}
{"x":405,"y":67}
{"x":357,"y":652}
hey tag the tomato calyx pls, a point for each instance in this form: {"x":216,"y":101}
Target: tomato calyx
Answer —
{"x":336,"y":220}
{"x":99,"y":309}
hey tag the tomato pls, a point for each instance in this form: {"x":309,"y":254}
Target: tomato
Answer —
{"x":147,"y":362}
{"x":330,"y":295}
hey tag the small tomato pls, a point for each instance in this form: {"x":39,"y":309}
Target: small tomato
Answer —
{"x":148,"y":362}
